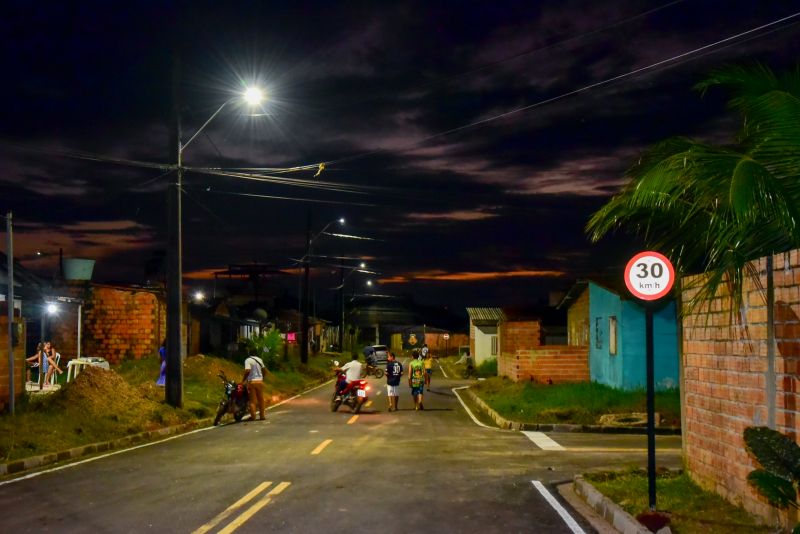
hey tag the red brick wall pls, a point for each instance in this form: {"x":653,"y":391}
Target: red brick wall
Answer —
{"x":519,"y":335}
{"x":559,"y":363}
{"x":472,"y":339}
{"x":19,"y":361}
{"x":118,"y":324}
{"x":725,"y":379}
{"x":437,"y":344}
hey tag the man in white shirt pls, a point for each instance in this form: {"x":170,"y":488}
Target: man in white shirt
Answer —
{"x":352,"y":371}
{"x":254,"y":378}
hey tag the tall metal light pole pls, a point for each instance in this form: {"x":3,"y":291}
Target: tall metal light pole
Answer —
{"x":10,"y":306}
{"x":304,"y":322}
{"x":174,"y":375}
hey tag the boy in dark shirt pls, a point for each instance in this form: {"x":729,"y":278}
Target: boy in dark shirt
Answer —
{"x":394,"y":371}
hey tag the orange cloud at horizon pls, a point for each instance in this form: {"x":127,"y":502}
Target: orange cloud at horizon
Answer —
{"x":469,"y":276}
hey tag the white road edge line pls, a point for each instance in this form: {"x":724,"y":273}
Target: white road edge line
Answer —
{"x":95,"y":458}
{"x":469,"y":412}
{"x":571,"y":523}
{"x":441,"y":368}
{"x":543,"y":441}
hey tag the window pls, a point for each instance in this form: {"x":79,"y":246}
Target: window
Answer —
{"x":598,"y":332}
{"x":494,"y":345}
{"x":612,"y":335}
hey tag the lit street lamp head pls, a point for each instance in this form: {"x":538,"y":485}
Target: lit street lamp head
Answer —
{"x":341,"y":220}
{"x":253,"y":96}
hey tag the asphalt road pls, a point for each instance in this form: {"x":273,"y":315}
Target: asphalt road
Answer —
{"x":309,"y":470}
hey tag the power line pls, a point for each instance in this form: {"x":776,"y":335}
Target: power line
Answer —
{"x":561,"y":96}
{"x":296,"y":199}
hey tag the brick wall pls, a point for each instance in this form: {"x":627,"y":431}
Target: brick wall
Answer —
{"x":19,"y":361}
{"x":437,"y":344}
{"x":725,"y":379}
{"x":118,"y":324}
{"x":519,"y":335}
{"x":559,"y":363}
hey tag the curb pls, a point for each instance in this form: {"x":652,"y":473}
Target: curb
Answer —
{"x":607,"y":509}
{"x":507,"y":424}
{"x":32,"y":462}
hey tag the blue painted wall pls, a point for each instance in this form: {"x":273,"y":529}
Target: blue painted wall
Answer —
{"x":627,"y":369}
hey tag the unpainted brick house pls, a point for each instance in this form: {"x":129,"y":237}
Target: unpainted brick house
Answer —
{"x":519,"y":340}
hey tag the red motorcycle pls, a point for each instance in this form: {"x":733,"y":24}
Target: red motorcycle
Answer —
{"x":353,"y":395}
{"x":235,"y":400}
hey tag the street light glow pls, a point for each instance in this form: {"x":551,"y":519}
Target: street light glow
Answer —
{"x":199,"y":296}
{"x":363,"y":265}
{"x":253,"y":96}
{"x":369,"y":282}
{"x":52,"y":309}
{"x":341,"y":220}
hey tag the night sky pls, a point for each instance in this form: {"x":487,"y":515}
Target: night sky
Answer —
{"x":469,"y":141}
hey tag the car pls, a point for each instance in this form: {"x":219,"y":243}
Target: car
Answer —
{"x":381,"y":353}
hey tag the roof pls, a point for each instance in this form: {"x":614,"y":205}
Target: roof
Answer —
{"x":486,"y":315}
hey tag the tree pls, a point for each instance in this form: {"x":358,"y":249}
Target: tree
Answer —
{"x":716,"y":208}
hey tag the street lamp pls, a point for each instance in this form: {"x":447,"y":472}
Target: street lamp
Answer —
{"x":305,"y":293}
{"x":173,"y":389}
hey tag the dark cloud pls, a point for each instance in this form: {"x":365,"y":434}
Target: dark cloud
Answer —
{"x":487,"y":214}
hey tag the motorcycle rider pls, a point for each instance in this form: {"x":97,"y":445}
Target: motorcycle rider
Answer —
{"x":352,"y":371}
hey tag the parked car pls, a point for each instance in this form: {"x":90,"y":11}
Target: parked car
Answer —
{"x":381,"y":354}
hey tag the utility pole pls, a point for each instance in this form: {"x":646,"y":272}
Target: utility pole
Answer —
{"x":341,"y":305}
{"x":10,"y":306}
{"x":304,"y":325}
{"x":174,"y":379}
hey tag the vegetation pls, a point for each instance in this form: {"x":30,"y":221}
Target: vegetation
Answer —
{"x":267,"y":345}
{"x":105,"y":405}
{"x":715,"y":208}
{"x":580,"y":403}
{"x":691,"y":509}
{"x":487,"y":368}
{"x":779,"y":457}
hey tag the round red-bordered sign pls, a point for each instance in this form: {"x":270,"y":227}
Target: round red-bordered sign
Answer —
{"x":649,"y":275}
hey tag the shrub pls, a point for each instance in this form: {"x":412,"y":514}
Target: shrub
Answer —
{"x":487,"y":368}
{"x":266,"y":346}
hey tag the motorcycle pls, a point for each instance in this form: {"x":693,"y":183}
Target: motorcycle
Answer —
{"x":354,"y":394}
{"x":370,"y":369}
{"x":235,"y":400}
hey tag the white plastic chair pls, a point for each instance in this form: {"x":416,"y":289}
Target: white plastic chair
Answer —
{"x":53,"y":377}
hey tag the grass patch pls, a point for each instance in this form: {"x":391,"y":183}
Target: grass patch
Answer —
{"x":581,"y":403}
{"x":692,"y":509}
{"x":105,"y":405}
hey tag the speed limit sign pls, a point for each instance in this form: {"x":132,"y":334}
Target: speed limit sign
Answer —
{"x":649,"y":275}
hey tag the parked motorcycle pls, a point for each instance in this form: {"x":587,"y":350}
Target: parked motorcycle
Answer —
{"x":234,"y":402}
{"x":354,"y":395}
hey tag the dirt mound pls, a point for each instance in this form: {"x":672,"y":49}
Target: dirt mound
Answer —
{"x":98,"y":391}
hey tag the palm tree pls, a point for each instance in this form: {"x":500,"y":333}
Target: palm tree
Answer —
{"x":716,"y":208}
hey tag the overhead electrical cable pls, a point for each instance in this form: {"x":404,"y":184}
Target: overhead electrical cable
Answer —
{"x":561,"y":96}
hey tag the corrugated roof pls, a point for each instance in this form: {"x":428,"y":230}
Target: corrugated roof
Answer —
{"x":486,"y":315}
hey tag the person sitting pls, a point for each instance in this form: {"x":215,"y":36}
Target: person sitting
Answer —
{"x":34,"y":361}
{"x":51,"y":360}
{"x":352,"y":372}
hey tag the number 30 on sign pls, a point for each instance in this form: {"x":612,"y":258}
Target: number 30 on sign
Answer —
{"x":649,"y":275}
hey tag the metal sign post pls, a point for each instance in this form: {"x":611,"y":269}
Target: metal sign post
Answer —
{"x":650,"y":276}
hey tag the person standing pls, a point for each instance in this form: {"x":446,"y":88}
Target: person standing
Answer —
{"x":254,"y":378}
{"x":416,"y":378}
{"x":394,"y":371}
{"x":162,"y":353}
{"x":428,"y":362}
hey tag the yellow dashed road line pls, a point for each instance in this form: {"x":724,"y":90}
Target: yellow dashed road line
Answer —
{"x":321,"y":446}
